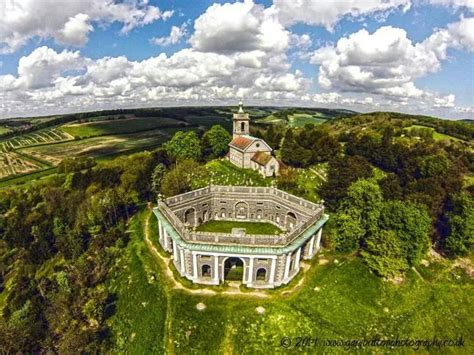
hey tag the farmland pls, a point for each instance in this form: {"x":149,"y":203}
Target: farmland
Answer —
{"x":47,"y":136}
{"x":119,"y":126}
{"x":97,"y":146}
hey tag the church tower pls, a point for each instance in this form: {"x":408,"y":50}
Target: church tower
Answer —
{"x":241,"y":122}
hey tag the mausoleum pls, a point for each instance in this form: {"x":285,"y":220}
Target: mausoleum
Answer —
{"x":264,"y":260}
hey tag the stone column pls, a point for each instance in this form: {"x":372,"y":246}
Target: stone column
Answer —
{"x":195,"y":271}
{"x":175,"y":250}
{"x":250,"y":275}
{"x":165,"y":236}
{"x":272,"y":272}
{"x":216,"y":269}
{"x":160,"y":231}
{"x":287,"y":265}
{"x":181,"y":259}
{"x":298,"y":255}
{"x":318,"y":240}
{"x":311,"y":246}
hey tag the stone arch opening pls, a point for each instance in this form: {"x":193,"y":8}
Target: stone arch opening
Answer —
{"x":206,"y":271}
{"x":242,"y":126}
{"x":259,"y":214}
{"x":261,"y":274}
{"x":222,"y":214}
{"x":241,"y":210}
{"x":290,"y":220}
{"x":205,"y":216}
{"x":190,"y":216}
{"x":234,"y":269}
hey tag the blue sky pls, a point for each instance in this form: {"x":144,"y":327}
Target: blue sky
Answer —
{"x":399,"y":55}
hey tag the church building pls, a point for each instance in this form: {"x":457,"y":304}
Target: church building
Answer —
{"x":246,"y":151}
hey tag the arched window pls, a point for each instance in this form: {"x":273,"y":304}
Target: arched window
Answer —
{"x":261,"y":274}
{"x":206,"y":271}
{"x":242,"y":126}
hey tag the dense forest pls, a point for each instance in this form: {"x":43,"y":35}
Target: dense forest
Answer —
{"x":392,"y":197}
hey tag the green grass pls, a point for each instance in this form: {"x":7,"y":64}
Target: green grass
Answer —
{"x":250,"y":227}
{"x":109,"y":127}
{"x":436,"y":135}
{"x":4,"y":130}
{"x":300,"y":119}
{"x":140,"y":310}
{"x":351,"y":303}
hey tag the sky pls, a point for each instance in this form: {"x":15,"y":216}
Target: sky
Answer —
{"x":61,"y":56}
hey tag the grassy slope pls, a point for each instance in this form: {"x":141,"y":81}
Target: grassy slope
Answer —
{"x":222,"y":172}
{"x":250,"y":227}
{"x":436,"y":135}
{"x":351,"y":303}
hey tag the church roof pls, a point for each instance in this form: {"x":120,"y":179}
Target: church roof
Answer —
{"x":242,"y":142}
{"x":262,"y":158}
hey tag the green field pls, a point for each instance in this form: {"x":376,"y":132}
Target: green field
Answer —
{"x":339,"y":301}
{"x":250,"y":227}
{"x":4,"y":130}
{"x":436,"y":135}
{"x":300,"y":119}
{"x":97,"y":146}
{"x":119,"y":126}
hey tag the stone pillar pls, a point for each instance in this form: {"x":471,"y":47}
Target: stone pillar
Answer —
{"x":216,"y":269}
{"x":318,"y":240}
{"x":165,"y":236}
{"x":287,"y":265}
{"x":160,"y":231}
{"x":181,"y":259}
{"x":298,"y":255}
{"x":311,"y":247}
{"x":175,"y":250}
{"x":272,"y":272}
{"x":195,"y":271}
{"x":250,"y":275}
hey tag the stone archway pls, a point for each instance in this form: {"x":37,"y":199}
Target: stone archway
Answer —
{"x":206,"y":271}
{"x":233,"y":269}
{"x":261,"y":274}
{"x":290,"y":221}
{"x":241,"y":210}
{"x":190,"y":216}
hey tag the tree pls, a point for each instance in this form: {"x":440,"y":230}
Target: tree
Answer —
{"x":411,"y":223}
{"x":384,"y":253}
{"x":341,"y":173}
{"x":157,"y":177}
{"x":179,"y":179}
{"x":345,"y":230}
{"x":460,"y":236}
{"x":365,"y":197}
{"x":184,"y":145}
{"x":215,"y":142}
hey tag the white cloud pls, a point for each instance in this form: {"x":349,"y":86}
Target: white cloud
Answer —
{"x":239,"y":27}
{"x":69,"y":22}
{"x":75,"y":30}
{"x":72,"y":82}
{"x":174,"y":37}
{"x":387,"y":62}
{"x":452,"y":3}
{"x":328,"y":13}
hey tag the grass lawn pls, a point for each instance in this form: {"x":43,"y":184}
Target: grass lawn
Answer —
{"x":250,"y":227}
{"x":337,"y":301}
